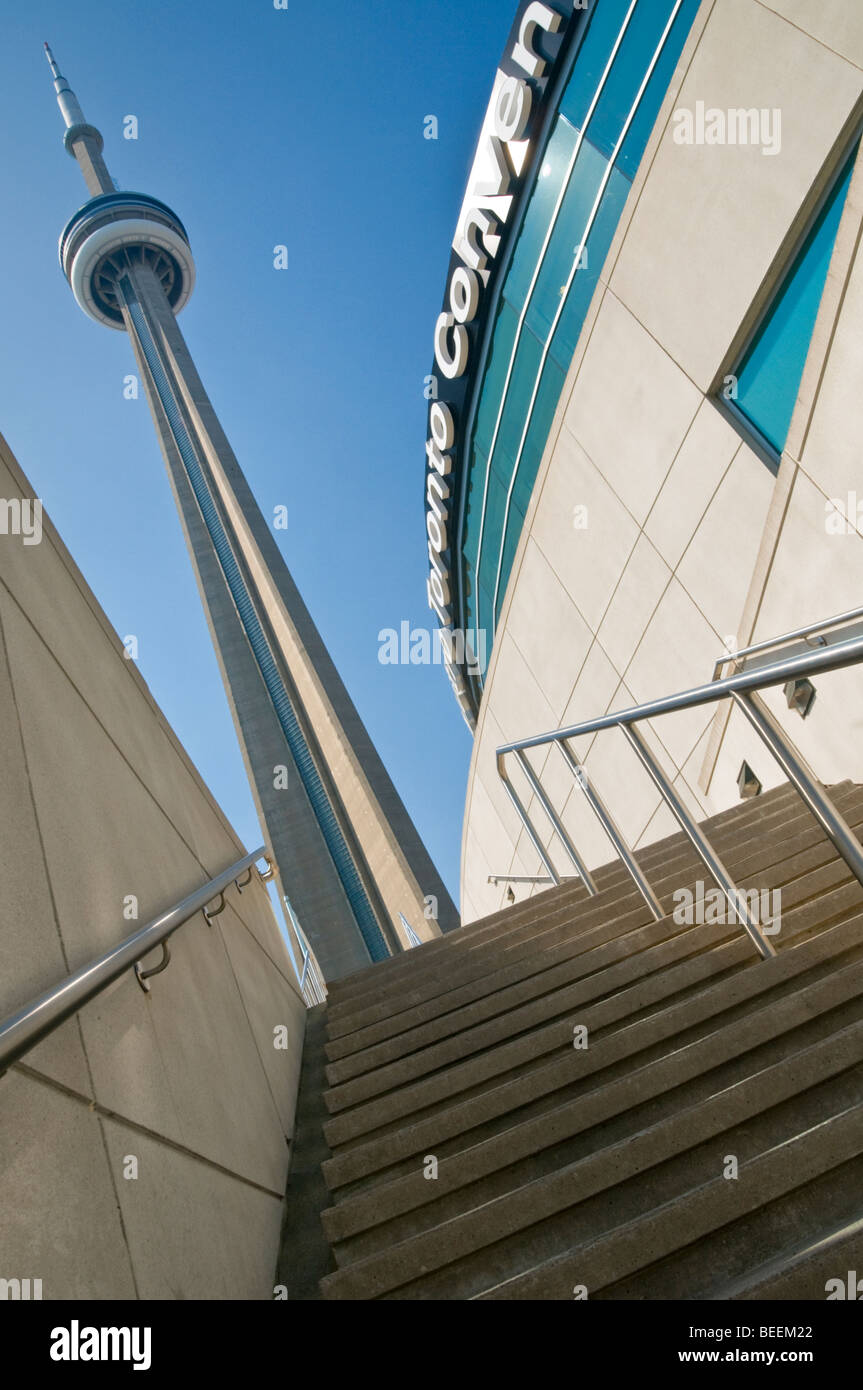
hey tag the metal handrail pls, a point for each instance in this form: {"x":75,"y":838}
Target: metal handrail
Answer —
{"x":42,"y":1015}
{"x":312,"y":984}
{"x":798,"y":634}
{"x":741,"y":686}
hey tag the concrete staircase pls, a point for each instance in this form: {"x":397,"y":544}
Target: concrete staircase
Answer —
{"x":563,"y":1171}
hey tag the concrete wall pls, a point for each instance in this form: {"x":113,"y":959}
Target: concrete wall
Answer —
{"x":691,"y":539}
{"x":98,"y":801}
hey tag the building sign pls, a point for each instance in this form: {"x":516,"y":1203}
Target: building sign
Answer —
{"x":500,"y":170}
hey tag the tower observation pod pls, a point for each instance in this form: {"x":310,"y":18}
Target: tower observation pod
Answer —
{"x":347,"y":854}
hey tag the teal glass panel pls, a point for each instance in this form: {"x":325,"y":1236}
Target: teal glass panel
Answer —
{"x":768,"y":377}
{"x":606,"y":22}
{"x":496,"y":369}
{"x":524,"y":374}
{"x":513,"y":535}
{"x":472,"y":519}
{"x":647,"y":111}
{"x":585,"y":184}
{"x":543,"y":200}
{"x":495,"y":509}
{"x":537,"y":435}
{"x":595,"y":251}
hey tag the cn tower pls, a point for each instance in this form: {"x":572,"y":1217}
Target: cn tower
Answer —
{"x":347,"y":854}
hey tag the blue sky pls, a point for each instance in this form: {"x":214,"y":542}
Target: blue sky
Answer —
{"x":259,"y":127}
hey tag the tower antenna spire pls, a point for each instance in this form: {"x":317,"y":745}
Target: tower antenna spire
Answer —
{"x":83,"y":141}
{"x":66,"y":98}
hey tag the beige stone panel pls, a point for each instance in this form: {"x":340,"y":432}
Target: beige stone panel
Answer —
{"x":621,"y":781}
{"x":593,"y":695}
{"x":630,"y":408}
{"x":742,"y":744}
{"x":517,"y":701}
{"x":831,"y":456}
{"x":226,"y":1107}
{"x":495,"y":821}
{"x":594,"y":691}
{"x":469,"y":913}
{"x":691,"y":771}
{"x":31,"y":953}
{"x":547,"y":628}
{"x":217,"y":1237}
{"x":830,"y":737}
{"x":716,"y":570}
{"x":181,"y":1060}
{"x":814,"y":575}
{"x":587,"y":562}
{"x":583,"y":827}
{"x":488,"y":737}
{"x":93,"y":861}
{"x":712,"y":218}
{"x":678,"y":651}
{"x":837,"y":24}
{"x":130,"y":1072}
{"x":484,"y":896}
{"x":663,"y":822}
{"x":488,"y":836}
{"x":269,"y":1002}
{"x":55,"y":1225}
{"x":696,"y":473}
{"x":49,"y":589}
{"x":641,"y":587}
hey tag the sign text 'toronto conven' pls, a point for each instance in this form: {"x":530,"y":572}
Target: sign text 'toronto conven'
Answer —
{"x":505,"y":145}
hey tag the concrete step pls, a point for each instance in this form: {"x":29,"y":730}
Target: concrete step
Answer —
{"x":534,"y":1212}
{"x":726,"y":829}
{"x":830,"y":1267}
{"x":698,"y":987}
{"x":776,"y":864}
{"x":647,"y":951}
{"x":553,"y":920}
{"x":530,"y":1083}
{"x":706,"y":1208}
{"x":605,"y":1167}
{"x":525,"y":1149}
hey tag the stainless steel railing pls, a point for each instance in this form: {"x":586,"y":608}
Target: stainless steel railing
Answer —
{"x":741,"y":686}
{"x":313,"y":986}
{"x":804,"y":634}
{"x":42,"y":1015}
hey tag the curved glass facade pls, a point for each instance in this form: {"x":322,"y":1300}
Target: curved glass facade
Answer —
{"x":618,"y":80}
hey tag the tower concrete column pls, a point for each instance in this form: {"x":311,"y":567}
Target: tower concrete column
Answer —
{"x":347,"y":854}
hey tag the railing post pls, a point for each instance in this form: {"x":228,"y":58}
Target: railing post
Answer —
{"x":698,"y":839}
{"x":803,"y":779}
{"x":526,"y":822}
{"x":613,"y":832}
{"x":574,"y":857}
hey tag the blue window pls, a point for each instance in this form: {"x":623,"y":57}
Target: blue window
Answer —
{"x":769,"y":373}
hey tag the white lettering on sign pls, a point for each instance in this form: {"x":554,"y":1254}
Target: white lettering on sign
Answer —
{"x":502,"y":155}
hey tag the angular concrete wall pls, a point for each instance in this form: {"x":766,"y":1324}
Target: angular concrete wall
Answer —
{"x":691,"y":539}
{"x":98,"y":801}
